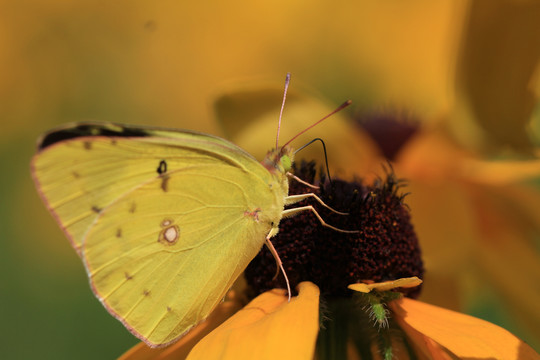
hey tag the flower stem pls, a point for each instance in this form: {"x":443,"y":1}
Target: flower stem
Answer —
{"x":334,"y":333}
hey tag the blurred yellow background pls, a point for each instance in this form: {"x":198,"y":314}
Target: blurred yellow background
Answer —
{"x":164,"y":63}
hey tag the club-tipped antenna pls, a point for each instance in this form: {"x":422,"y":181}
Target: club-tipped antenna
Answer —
{"x":339,"y":108}
{"x":287,"y":81}
{"x":325,"y":155}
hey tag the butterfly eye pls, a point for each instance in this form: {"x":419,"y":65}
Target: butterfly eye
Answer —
{"x":286,"y":162}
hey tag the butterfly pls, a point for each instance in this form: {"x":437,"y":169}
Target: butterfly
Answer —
{"x":164,"y":220}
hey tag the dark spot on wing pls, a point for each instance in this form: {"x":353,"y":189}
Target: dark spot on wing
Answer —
{"x":162,"y":168}
{"x":169,"y":308}
{"x":87,"y":145}
{"x":165,"y":183}
{"x":119,"y":233}
{"x":133,"y":208}
{"x":76,"y":175}
{"x":146,"y":292}
{"x":128,"y":277}
{"x":96,"y":209}
{"x":89,"y":130}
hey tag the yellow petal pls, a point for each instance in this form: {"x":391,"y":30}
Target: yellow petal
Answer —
{"x":269,"y":327}
{"x":425,"y":346}
{"x":509,"y":257}
{"x":181,"y":349}
{"x":386,"y":285}
{"x":360,"y":287}
{"x":500,"y":172}
{"x":497,"y":38}
{"x":463,"y":335}
{"x":431,"y":163}
{"x":237,"y":109}
{"x":430,"y":156}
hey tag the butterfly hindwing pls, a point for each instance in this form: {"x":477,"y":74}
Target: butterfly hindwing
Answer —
{"x":163,"y":267}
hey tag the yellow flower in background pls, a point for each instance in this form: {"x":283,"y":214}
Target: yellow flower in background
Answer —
{"x":473,"y":172}
{"x":476,"y":219}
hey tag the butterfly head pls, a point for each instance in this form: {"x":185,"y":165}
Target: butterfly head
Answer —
{"x":279,"y":160}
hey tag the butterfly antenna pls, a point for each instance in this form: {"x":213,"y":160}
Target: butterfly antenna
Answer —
{"x":287,"y":81}
{"x":339,"y":108}
{"x":325,"y":155}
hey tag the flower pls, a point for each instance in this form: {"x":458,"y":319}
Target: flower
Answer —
{"x":472,"y":167}
{"x":354,"y":310}
{"x":476,"y":217}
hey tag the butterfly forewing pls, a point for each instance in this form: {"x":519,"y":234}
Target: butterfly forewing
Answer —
{"x":82,"y":168}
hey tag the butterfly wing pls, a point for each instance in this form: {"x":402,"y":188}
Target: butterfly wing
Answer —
{"x":77,"y":176}
{"x":165,"y":222}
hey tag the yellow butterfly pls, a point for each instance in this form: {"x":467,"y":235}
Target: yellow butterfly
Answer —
{"x":164,"y":220}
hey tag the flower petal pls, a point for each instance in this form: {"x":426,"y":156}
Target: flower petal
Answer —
{"x":500,"y":172}
{"x":181,"y":349}
{"x":511,"y":259}
{"x":463,"y":335}
{"x":386,"y":285}
{"x":269,"y":327}
{"x":496,"y":39}
{"x":425,"y":346}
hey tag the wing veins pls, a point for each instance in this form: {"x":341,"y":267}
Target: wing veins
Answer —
{"x":99,"y":269}
{"x":171,"y":214}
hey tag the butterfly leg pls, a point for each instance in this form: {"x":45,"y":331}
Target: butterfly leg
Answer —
{"x":295,"y":211}
{"x":293,"y":199}
{"x":279,"y":263}
{"x":292,"y":176}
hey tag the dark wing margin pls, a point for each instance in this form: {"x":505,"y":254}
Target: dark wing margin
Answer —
{"x":73,"y":131}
